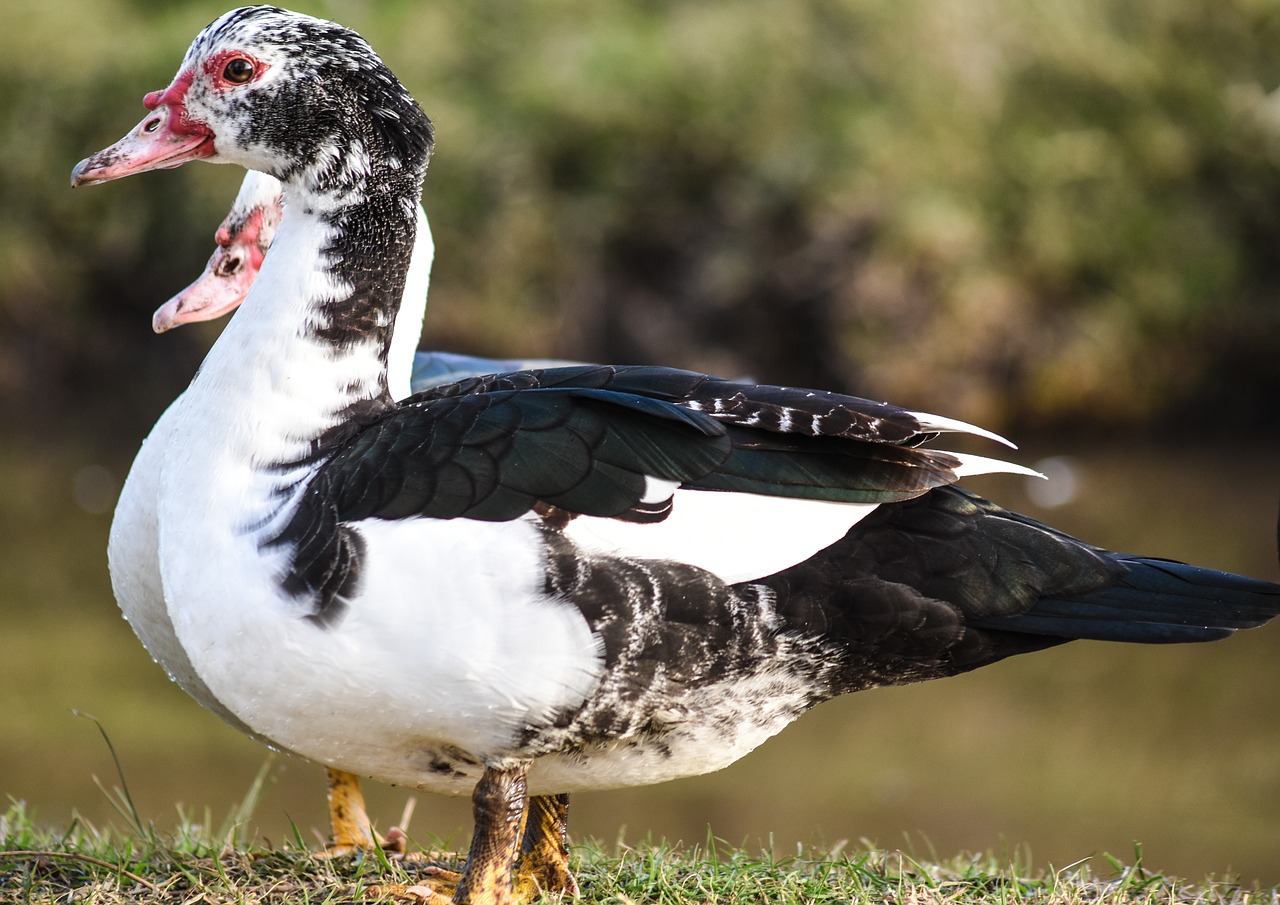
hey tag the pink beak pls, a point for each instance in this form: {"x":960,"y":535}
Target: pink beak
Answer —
{"x":164,"y":139}
{"x":243,"y":241}
{"x":221,"y":288}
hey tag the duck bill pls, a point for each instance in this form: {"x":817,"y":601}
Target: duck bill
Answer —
{"x":163,"y":140}
{"x":221,"y":288}
{"x":243,"y":240}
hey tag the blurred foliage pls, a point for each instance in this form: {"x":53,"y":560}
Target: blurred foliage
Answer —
{"x":1045,"y":213}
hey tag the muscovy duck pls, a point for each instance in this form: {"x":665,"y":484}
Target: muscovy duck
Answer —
{"x":431,"y":592}
{"x":242,"y":240}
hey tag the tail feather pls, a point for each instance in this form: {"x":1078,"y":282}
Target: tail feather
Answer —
{"x":949,"y":582}
{"x":1155,"y":601}
{"x":1073,"y":628}
{"x":998,"y":584}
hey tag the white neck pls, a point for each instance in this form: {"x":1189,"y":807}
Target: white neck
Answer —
{"x":413,"y":308}
{"x":268,"y":359}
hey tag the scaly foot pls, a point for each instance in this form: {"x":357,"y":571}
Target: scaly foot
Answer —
{"x":541,"y":865}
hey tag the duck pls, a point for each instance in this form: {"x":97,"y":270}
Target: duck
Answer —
{"x":241,"y":242}
{"x":553,"y":580}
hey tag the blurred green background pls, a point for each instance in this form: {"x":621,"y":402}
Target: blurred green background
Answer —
{"x":1059,"y":220}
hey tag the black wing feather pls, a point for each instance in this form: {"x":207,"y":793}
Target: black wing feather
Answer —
{"x":583,"y":440}
{"x":787,"y":410}
{"x":787,"y":441}
{"x":822,"y":468}
{"x":493,"y":455}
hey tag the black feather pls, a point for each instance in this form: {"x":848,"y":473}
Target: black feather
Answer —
{"x":823,"y":468}
{"x":493,"y":457}
{"x":784,"y":410}
{"x":948,"y":582}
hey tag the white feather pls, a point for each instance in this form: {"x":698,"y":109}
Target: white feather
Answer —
{"x":971,"y":465}
{"x":943,"y":424}
{"x":132,"y":555}
{"x":449,"y":622}
{"x":735,"y":536}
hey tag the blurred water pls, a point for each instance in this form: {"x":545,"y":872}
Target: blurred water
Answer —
{"x":1072,"y":752}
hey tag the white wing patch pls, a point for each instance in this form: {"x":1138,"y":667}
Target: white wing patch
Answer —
{"x":735,"y":536}
{"x":742,"y":536}
{"x":975,"y":465}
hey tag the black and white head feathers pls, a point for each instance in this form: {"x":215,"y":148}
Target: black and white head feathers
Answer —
{"x":302,"y":99}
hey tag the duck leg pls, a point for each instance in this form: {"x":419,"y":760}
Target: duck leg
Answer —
{"x":507,"y":834}
{"x":498,"y":804}
{"x":348,"y":820}
{"x":353,"y":833}
{"x":543,"y":865}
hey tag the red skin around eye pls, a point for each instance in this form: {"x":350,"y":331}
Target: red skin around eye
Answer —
{"x":216,"y":64}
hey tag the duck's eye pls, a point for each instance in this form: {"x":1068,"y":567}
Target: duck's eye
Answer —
{"x":238,"y":70}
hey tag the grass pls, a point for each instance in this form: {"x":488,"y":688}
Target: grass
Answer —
{"x":202,"y":864}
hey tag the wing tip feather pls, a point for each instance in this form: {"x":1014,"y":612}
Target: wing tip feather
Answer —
{"x":943,"y":424}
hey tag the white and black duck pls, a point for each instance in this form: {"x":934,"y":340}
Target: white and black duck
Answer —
{"x":458,"y":591}
{"x":242,"y":240}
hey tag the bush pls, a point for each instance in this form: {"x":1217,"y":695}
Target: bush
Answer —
{"x":1055,"y":214}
